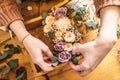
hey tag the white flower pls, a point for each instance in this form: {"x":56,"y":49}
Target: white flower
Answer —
{"x":63,"y":24}
{"x":76,"y":45}
{"x":58,"y":35}
{"x":47,"y":28}
{"x":68,"y":47}
{"x":69,"y":37}
{"x":50,"y":20}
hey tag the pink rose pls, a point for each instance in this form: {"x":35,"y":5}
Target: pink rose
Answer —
{"x":59,"y":46}
{"x":64,"y":56}
{"x":60,"y":12}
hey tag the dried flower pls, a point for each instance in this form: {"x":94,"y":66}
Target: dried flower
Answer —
{"x":68,"y":47}
{"x":58,"y":35}
{"x":62,"y":24}
{"x":69,"y":37}
{"x":64,"y":56}
{"x":60,"y":12}
{"x":59,"y":46}
{"x":50,"y":20}
{"x":47,"y":28}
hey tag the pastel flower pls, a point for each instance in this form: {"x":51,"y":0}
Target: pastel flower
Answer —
{"x":47,"y":28}
{"x":59,"y":46}
{"x":58,"y":35}
{"x":60,"y":12}
{"x":69,"y":37}
{"x":50,"y":20}
{"x":68,"y":47}
{"x":64,"y":56}
{"x":76,"y":45}
{"x":63,"y":24}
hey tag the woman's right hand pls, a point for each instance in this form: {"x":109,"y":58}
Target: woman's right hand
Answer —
{"x":36,"y":48}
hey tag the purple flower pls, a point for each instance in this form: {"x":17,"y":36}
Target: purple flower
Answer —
{"x":64,"y":56}
{"x":59,"y":46}
{"x":60,"y":12}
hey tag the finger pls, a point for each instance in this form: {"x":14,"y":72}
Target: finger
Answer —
{"x":84,"y":73}
{"x":47,"y":51}
{"x":80,"y":68}
{"x":77,"y":50}
{"x":45,"y":66}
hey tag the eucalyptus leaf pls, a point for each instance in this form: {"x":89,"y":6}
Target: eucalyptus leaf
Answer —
{"x":44,"y":15}
{"x":55,"y":53}
{"x":74,"y":60}
{"x":80,"y":10}
{"x":78,"y":17}
{"x":55,"y":63}
{"x":13,"y":63}
{"x":9,"y":52}
{"x":43,"y":22}
{"x":20,"y":77}
{"x":51,"y":35}
{"x":10,"y":46}
{"x":92,"y":24}
{"x":17,"y":49}
{"x":6,"y":70}
{"x":4,"y":56}
{"x":54,"y":59}
{"x":118,"y":30}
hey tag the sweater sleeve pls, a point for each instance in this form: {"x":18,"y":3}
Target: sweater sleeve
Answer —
{"x":99,"y":4}
{"x":9,"y":12}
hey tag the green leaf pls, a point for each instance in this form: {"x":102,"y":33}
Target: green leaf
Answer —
{"x":80,"y":10}
{"x":10,"y":46}
{"x":55,"y":53}
{"x":17,"y":49}
{"x":6,"y":70}
{"x":51,"y":35}
{"x":20,"y":77}
{"x":13,"y":63}
{"x":78,"y":17}
{"x":74,"y":60}
{"x":92,"y":24}
{"x":55,"y":63}
{"x":44,"y":15}
{"x":54,"y":59}
{"x":3,"y":56}
{"x":118,"y":30}
{"x":43,"y":22}
{"x":9,"y":52}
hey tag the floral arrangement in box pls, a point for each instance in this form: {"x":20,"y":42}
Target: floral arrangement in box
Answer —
{"x":61,"y":28}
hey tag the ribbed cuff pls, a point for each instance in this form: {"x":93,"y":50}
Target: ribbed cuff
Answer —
{"x":99,"y":4}
{"x":9,"y":12}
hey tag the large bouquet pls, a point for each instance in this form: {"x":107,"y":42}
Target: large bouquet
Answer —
{"x":61,"y":28}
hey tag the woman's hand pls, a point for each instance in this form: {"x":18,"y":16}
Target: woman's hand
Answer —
{"x":93,"y":53}
{"x":36,"y":48}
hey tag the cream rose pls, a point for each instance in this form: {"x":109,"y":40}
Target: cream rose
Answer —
{"x":50,"y":20}
{"x":58,"y":35}
{"x":69,"y":37}
{"x":68,"y":47}
{"x":47,"y":28}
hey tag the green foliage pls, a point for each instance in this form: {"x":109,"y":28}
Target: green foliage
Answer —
{"x":118,"y":30}
{"x":11,"y":49}
{"x":74,"y":60}
{"x":80,"y":10}
{"x":6,"y":70}
{"x":92,"y":24}
{"x":51,"y":35}
{"x":44,"y":15}
{"x":21,"y":76}
{"x":78,"y":17}
{"x":13,"y":63}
